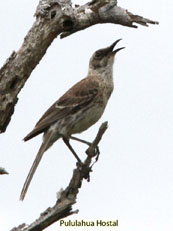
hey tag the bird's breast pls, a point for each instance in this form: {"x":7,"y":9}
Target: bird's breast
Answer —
{"x":87,"y":118}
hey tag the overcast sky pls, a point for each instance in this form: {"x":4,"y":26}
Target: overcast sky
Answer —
{"x":133,"y":180}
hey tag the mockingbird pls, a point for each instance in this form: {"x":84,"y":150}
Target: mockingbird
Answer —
{"x":78,"y":109}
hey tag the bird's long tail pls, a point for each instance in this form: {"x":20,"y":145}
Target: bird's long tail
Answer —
{"x":43,"y":148}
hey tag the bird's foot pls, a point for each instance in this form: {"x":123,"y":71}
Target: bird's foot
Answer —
{"x":93,"y":151}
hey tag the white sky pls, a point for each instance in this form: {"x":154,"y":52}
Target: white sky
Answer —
{"x":133,"y":180}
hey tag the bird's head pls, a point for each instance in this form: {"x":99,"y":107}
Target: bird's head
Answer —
{"x":104,"y":58}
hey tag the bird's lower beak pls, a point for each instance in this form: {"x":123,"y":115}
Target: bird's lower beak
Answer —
{"x":115,"y":51}
{"x":113,"y":45}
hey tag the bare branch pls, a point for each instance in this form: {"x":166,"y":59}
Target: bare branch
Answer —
{"x":3,"y":171}
{"x":67,"y":198}
{"x":109,"y":13}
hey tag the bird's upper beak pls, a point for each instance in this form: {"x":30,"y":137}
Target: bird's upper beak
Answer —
{"x":110,"y":49}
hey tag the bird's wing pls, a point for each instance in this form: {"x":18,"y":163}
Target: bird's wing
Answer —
{"x":80,"y":95}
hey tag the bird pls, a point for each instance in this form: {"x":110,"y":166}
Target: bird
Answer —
{"x":78,"y":109}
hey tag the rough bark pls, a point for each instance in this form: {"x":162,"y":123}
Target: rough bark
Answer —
{"x":53,"y":18}
{"x":66,"y":198}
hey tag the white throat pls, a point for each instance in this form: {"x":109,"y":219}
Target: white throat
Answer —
{"x":105,"y":73}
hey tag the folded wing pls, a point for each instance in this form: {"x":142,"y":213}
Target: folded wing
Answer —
{"x":80,"y":95}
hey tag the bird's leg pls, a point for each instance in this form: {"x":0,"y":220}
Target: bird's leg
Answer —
{"x":83,"y":168}
{"x":80,"y":140}
{"x":97,"y":151}
{"x":66,"y":141}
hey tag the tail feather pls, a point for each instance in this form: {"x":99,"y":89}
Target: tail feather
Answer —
{"x":35,"y":164}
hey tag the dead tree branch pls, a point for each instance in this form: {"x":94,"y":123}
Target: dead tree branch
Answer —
{"x":67,"y":198}
{"x":3,"y":171}
{"x":53,"y":18}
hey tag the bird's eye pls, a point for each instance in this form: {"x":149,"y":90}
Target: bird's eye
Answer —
{"x":98,"y":54}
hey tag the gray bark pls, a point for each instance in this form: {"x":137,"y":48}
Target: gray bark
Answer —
{"x":53,"y":18}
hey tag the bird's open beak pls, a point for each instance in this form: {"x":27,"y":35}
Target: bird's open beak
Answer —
{"x":111,"y":48}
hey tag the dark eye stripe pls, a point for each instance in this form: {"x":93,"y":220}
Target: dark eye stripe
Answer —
{"x":99,"y":53}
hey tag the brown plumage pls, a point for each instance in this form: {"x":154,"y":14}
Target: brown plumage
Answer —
{"x":78,"y":109}
{"x":80,"y":95}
